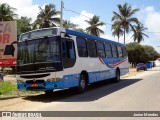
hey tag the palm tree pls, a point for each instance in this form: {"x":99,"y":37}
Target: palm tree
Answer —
{"x":94,"y":23}
{"x":80,"y":30}
{"x":7,"y":12}
{"x":124,"y":17}
{"x":68,"y":24}
{"x":138,"y":32}
{"x":47,"y":17}
{"x":117,"y":30}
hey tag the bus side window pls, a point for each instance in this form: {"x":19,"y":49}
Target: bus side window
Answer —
{"x":70,"y":49}
{"x":124,"y":51}
{"x":119,"y":51}
{"x":92,"y":52}
{"x":114,"y":51}
{"x":101,"y":50}
{"x":108,"y":50}
{"x":82,"y":47}
{"x":69,"y":57}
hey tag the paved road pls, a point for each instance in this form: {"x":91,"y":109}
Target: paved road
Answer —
{"x":139,"y":93}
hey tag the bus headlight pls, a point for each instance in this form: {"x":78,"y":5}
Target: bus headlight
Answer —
{"x":50,"y":80}
{"x":19,"y":81}
{"x":53,"y":79}
{"x":57,"y":78}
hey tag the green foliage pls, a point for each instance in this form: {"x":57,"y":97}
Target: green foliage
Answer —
{"x":80,"y":30}
{"x":135,"y":52}
{"x":139,"y":32}
{"x":47,"y":17}
{"x":23,"y":25}
{"x":6,"y":87}
{"x":150,"y":52}
{"x":7,"y":12}
{"x":140,"y":54}
{"x":68,"y":24}
{"x":117,"y":30}
{"x":123,"y":18}
{"x":94,"y":24}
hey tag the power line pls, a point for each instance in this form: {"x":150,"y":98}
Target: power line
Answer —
{"x":81,"y":14}
{"x":152,"y":32}
{"x":76,"y":13}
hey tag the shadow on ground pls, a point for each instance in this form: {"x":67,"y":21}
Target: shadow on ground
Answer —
{"x":94,"y":92}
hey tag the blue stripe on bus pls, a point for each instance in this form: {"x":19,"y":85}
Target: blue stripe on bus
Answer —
{"x":71,"y":32}
{"x":112,"y":62}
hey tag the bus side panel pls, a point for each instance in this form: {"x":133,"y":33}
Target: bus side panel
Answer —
{"x":92,"y":77}
{"x":71,"y":80}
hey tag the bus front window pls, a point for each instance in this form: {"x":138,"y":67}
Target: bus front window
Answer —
{"x":40,"y":53}
{"x":47,"y":51}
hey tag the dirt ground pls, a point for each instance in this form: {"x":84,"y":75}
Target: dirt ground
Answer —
{"x":132,"y":72}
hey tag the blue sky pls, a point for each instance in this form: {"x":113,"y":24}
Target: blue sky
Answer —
{"x":149,"y":14}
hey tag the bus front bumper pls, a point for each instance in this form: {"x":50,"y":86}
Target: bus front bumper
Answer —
{"x":39,"y":86}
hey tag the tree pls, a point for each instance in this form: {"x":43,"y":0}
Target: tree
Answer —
{"x":140,"y":54}
{"x":117,"y":30}
{"x":47,"y":17}
{"x":135,"y":53}
{"x":124,"y":18}
{"x":94,"y":23}
{"x":23,"y":25}
{"x":80,"y":30}
{"x":7,"y":13}
{"x":151,"y":53}
{"x":68,"y":24}
{"x":138,"y":32}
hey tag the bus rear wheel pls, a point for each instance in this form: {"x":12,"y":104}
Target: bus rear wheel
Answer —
{"x":117,"y":78}
{"x":82,"y":84}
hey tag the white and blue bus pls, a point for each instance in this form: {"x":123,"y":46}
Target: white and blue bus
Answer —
{"x":59,"y":58}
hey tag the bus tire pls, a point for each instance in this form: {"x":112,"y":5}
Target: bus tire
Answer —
{"x":48,"y":92}
{"x":82,"y":84}
{"x":117,"y":78}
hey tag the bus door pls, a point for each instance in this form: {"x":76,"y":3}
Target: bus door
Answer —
{"x":68,"y":53}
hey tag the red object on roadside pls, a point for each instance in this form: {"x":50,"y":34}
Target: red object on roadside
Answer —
{"x":7,"y":62}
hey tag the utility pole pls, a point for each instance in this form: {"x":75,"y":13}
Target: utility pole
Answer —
{"x":62,"y":6}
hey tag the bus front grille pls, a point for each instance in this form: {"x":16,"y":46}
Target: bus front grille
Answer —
{"x":34,"y":76}
{"x":34,"y":81}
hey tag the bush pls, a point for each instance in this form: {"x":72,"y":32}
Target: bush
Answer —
{"x":6,"y":87}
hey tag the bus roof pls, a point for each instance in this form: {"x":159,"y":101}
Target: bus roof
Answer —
{"x":73,"y":32}
{"x":80,"y":34}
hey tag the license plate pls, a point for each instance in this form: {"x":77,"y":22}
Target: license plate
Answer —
{"x":34,"y":85}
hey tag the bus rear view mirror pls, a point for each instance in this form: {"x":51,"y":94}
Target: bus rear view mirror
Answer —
{"x":9,"y":50}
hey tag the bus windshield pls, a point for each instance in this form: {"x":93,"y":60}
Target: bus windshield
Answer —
{"x":39,"y":55}
{"x":41,"y":50}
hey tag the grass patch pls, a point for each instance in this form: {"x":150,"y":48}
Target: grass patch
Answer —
{"x":6,"y":87}
{"x":9,"y":90}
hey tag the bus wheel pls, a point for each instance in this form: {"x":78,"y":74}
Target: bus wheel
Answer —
{"x":82,"y":84}
{"x":48,"y":92}
{"x":117,"y":78}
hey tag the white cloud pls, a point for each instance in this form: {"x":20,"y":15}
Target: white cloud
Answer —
{"x":24,"y":7}
{"x":80,"y":19}
{"x":152,"y":20}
